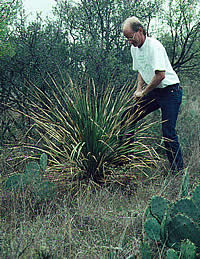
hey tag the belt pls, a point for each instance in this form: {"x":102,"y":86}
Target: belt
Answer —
{"x":174,"y":86}
{"x":177,"y":85}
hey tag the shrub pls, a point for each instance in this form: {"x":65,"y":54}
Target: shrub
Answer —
{"x":82,"y":125}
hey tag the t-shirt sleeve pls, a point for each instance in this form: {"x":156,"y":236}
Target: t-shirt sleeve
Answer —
{"x":158,"y":58}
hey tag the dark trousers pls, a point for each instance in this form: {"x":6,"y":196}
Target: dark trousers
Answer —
{"x":168,"y":100}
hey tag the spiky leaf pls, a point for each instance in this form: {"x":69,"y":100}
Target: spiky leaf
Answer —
{"x":131,"y":257}
{"x":83,"y":126}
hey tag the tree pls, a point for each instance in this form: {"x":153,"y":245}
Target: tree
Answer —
{"x":40,"y":49}
{"x":8,"y":12}
{"x":182,"y":34}
{"x":94,"y":28}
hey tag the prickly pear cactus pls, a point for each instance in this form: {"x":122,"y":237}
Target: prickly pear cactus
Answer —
{"x":146,"y":252}
{"x":186,"y":207}
{"x":32,"y":176}
{"x":172,"y":254}
{"x":13,"y":182}
{"x":43,"y":161}
{"x":182,"y":227}
{"x":152,"y":229}
{"x":155,"y":215}
{"x":172,"y":223}
{"x":185,"y":185}
{"x":158,"y":207}
{"x":32,"y":168}
{"x":188,"y":250}
{"x":196,"y":196}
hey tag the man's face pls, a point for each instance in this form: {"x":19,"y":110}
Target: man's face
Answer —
{"x":134,"y":38}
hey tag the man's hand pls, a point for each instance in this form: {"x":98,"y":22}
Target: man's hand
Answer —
{"x":138,"y":94}
{"x":156,"y":80}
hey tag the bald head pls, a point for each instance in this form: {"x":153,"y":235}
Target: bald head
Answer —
{"x":132,"y":23}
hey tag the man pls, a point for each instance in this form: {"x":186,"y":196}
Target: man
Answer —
{"x":157,"y":87}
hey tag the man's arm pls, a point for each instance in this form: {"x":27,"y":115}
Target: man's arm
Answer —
{"x":140,"y":84}
{"x":156,"y":80}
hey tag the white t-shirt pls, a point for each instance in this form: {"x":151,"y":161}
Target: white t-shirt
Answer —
{"x":150,"y":57}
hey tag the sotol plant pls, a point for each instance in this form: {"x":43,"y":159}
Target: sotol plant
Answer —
{"x":83,"y":126}
{"x":171,"y":223}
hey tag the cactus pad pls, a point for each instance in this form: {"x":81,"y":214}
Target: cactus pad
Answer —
{"x":185,"y":185}
{"x":146,"y":252}
{"x":32,"y":167}
{"x":163,"y":227}
{"x":159,"y":206}
{"x":172,"y":254}
{"x":13,"y":182}
{"x":147,"y":213}
{"x":196,"y":196}
{"x":43,"y":161}
{"x":152,"y":229}
{"x":186,"y":207}
{"x":182,"y":227}
{"x":188,"y":250}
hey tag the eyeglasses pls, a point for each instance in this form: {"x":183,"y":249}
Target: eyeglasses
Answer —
{"x":133,"y":37}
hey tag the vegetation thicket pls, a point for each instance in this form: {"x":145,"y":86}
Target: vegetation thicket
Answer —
{"x":71,"y":185}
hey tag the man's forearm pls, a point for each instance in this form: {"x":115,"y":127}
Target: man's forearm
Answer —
{"x":140,"y":83}
{"x":157,"y":79}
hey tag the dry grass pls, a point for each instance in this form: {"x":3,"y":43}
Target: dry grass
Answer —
{"x":101,"y":222}
{"x":97,"y":222}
